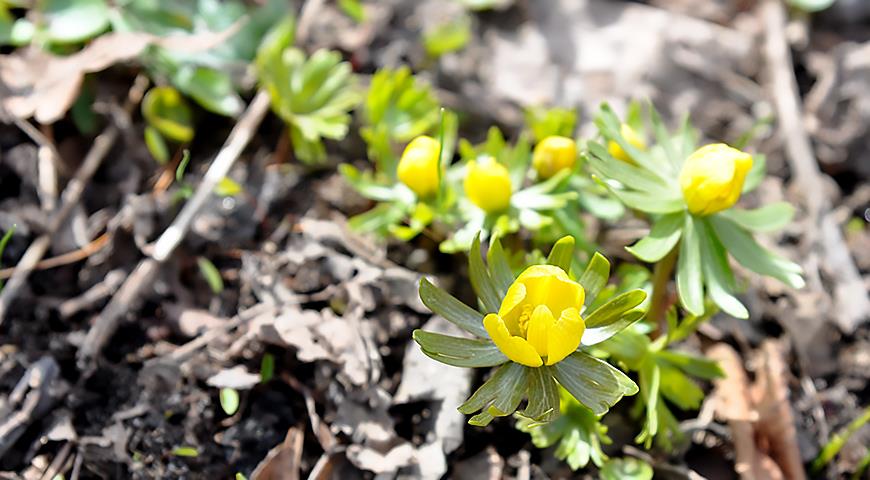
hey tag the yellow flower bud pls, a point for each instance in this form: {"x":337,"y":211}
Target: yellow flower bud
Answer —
{"x":632,"y":138}
{"x":712,"y":178}
{"x":553,"y":154}
{"x":418,"y":167}
{"x":539,"y":319}
{"x":488,"y":184}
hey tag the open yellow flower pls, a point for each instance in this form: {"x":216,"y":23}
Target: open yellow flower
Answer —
{"x":418,"y":167}
{"x":632,"y":138}
{"x":539,"y":319}
{"x":553,"y":154}
{"x":712,"y":178}
{"x":488,"y":184}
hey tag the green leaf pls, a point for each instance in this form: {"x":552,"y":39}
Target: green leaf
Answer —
{"x":313,"y":95}
{"x":498,"y":396}
{"x":229,"y":400}
{"x":182,"y":166}
{"x":679,"y":389}
{"x":447,"y":37}
{"x":663,"y":139}
{"x":481,"y":280}
{"x":611,"y":311}
{"x":366,"y":186}
{"x":74,"y":21}
{"x":185,"y":451}
{"x":156,"y":145}
{"x":499,"y":267}
{"x":166,"y":110}
{"x":595,"y":276}
{"x":378,"y":219}
{"x":718,"y":277}
{"x":482,"y":5}
{"x":689,"y":279}
{"x":610,"y":127}
{"x":397,"y":108}
{"x":661,"y":240}
{"x":82,"y":111}
{"x":836,"y":443}
{"x":353,"y":9}
{"x":578,"y":431}
{"x":753,"y":256}
{"x":627,"y":468}
{"x":756,"y":173}
{"x":227,"y":187}
{"x":645,"y":202}
{"x":562,"y":253}
{"x":768,"y":218}
{"x":811,"y":6}
{"x":596,"y":335}
{"x":632,"y":177}
{"x":267,"y":367}
{"x":210,"y":88}
{"x":593,"y":382}
{"x":650,"y":379}
{"x":211,"y":275}
{"x":693,"y":365}
{"x":446,"y":305}
{"x":459,"y":352}
{"x":545,"y":122}
{"x":543,"y":395}
{"x":3,"y":242}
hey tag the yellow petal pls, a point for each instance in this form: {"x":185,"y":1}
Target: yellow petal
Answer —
{"x":712,"y":178}
{"x":554,"y":154}
{"x":540,"y":323}
{"x":632,"y":138}
{"x":564,"y":336}
{"x":488,"y":184}
{"x":549,"y":285}
{"x":517,"y":349}
{"x":418,"y":166}
{"x":514,"y":297}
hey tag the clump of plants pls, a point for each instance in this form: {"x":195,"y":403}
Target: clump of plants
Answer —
{"x":565,"y":340}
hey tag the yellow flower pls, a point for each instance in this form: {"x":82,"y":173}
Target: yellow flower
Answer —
{"x":712,"y":178}
{"x":488,"y":184}
{"x":418,"y":167}
{"x":539,"y":319}
{"x":553,"y":154}
{"x":632,"y":138}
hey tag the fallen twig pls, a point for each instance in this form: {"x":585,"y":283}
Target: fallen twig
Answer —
{"x":823,"y":237}
{"x":121,"y":303}
{"x":70,"y":198}
{"x":70,"y":257}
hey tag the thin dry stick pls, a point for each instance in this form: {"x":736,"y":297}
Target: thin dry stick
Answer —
{"x":65,"y":259}
{"x":69,"y":199}
{"x":850,"y":296}
{"x":121,"y":303}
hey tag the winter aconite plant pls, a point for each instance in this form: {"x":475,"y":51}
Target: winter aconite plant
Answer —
{"x":312,"y":94}
{"x":689,"y":195}
{"x":536,"y":327}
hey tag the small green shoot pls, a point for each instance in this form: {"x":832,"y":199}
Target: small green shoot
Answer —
{"x":267,"y":367}
{"x":835,"y":444}
{"x":185,"y":451}
{"x":211,"y":275}
{"x":3,"y":241}
{"x":229,"y":398}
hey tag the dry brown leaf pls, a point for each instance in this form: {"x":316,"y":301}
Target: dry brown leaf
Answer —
{"x":733,"y":403}
{"x":283,"y":461}
{"x":775,"y":422}
{"x":38,"y":84}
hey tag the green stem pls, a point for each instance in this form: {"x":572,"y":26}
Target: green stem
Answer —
{"x":660,"y":300}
